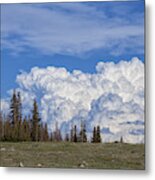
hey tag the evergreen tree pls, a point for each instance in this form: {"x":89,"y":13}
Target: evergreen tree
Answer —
{"x":26,"y":136}
{"x":82,"y":134}
{"x":30,"y":124}
{"x":19,"y":106}
{"x":51,"y":136}
{"x":19,"y":117}
{"x":14,"y":117}
{"x":57,"y":133}
{"x":67,"y":137}
{"x":45,"y":133}
{"x":1,"y":127}
{"x":40,"y":132}
{"x":13,"y":109}
{"x":98,"y":135}
{"x":19,"y":138}
{"x":23,"y":130}
{"x":121,"y":139}
{"x":7,"y":130}
{"x":72,"y":134}
{"x":94,"y":135}
{"x":75,"y":134}
{"x":35,"y":122}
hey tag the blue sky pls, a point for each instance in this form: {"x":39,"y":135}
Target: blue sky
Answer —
{"x":70,"y":35}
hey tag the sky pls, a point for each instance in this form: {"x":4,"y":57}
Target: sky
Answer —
{"x":81,"y":61}
{"x":70,"y":35}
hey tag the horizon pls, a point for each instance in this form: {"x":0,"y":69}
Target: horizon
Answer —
{"x":81,"y":60}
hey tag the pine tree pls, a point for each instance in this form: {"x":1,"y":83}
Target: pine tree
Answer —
{"x":94,"y":139}
{"x":8,"y":130}
{"x":51,"y":136}
{"x":19,"y":138}
{"x":121,"y":139}
{"x":45,"y":133}
{"x":1,"y":127}
{"x":75,"y":134}
{"x":35,"y":122}
{"x":40,"y":132}
{"x":72,"y":134}
{"x":67,"y":137}
{"x":25,"y":134}
{"x":82,"y":134}
{"x":14,"y":117}
{"x":30,"y":125}
{"x":57,"y":133}
{"x":19,"y":116}
{"x":98,"y":135}
{"x":13,"y":109}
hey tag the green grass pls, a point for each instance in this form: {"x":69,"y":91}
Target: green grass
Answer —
{"x":72,"y":155}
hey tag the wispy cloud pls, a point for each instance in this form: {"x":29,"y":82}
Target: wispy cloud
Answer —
{"x":72,"y":28}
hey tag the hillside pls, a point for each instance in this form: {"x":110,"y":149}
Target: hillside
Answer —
{"x":72,"y":155}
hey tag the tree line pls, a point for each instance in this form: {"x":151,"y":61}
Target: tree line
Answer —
{"x":15,"y":127}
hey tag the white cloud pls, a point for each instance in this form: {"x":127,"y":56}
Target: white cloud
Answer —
{"x":117,"y":118}
{"x":68,"y":28}
{"x":4,"y":105}
{"x":113,"y":97}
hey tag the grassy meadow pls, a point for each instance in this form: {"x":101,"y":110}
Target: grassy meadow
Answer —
{"x":72,"y":155}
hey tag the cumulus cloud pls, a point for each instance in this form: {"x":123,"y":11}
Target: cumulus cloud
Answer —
{"x":117,"y":118}
{"x":4,"y":104}
{"x":112,"y":97}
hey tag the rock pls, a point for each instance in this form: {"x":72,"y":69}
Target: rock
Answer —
{"x":84,"y":163}
{"x":82,"y":166}
{"x":39,"y":165}
{"x":133,"y":151}
{"x":21,"y":164}
{"x":3,"y":149}
{"x":12,"y":149}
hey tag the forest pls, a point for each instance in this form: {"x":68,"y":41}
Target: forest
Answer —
{"x":14,"y":127}
{"x":26,"y":142}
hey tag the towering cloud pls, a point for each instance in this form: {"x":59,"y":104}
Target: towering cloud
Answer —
{"x":113,"y":98}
